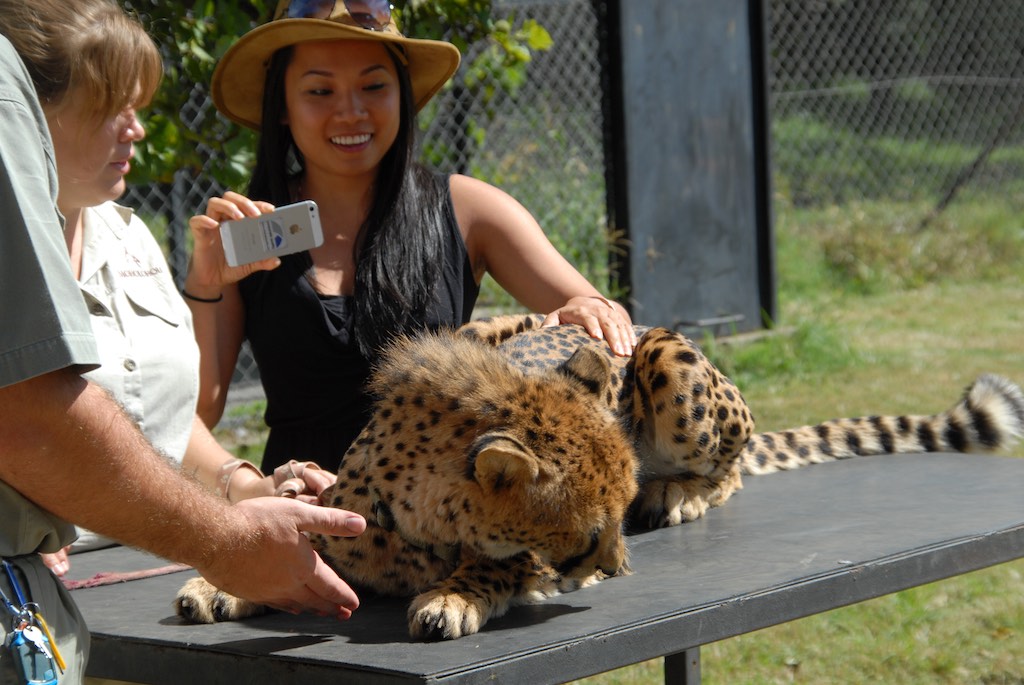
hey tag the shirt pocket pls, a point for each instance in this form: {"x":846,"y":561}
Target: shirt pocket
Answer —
{"x":148,"y":297}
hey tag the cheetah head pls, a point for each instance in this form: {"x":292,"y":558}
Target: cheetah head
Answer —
{"x":466,"y":450}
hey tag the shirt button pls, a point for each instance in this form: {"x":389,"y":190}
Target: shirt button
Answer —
{"x":97,"y":309}
{"x":129,"y":364}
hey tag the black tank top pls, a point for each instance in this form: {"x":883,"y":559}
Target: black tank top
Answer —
{"x":312,"y":371}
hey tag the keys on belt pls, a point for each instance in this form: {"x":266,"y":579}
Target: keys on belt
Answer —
{"x":29,"y":641}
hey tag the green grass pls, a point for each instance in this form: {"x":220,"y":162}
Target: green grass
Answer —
{"x":242,"y":431}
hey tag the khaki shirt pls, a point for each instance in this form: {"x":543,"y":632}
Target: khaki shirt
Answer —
{"x":143,"y":329}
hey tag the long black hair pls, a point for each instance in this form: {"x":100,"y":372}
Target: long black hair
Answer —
{"x":400,"y":245}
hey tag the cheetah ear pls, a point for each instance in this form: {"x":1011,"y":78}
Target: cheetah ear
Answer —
{"x":499,"y":461}
{"x":591,"y":369}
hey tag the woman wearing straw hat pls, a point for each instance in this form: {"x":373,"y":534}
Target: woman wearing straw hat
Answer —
{"x":334,"y":88}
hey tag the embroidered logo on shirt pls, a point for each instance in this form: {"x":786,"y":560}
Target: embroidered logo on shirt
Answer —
{"x":139,"y":272}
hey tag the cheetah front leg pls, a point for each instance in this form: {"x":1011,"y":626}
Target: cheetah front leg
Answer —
{"x":200,"y":602}
{"x":478,"y":590}
{"x":690,"y":424}
{"x":671,"y":500}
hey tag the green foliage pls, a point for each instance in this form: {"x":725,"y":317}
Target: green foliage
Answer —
{"x":565,"y":195}
{"x":184,"y":134}
{"x":495,"y":58}
{"x":181,"y":134}
{"x":467,"y":23}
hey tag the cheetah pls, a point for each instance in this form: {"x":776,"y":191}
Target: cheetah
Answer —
{"x":693,"y":432}
{"x":483,"y":487}
{"x":504,"y":462}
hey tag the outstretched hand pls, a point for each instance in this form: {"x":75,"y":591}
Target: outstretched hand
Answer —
{"x":209,"y":270}
{"x":276,"y":565}
{"x":602,"y":319}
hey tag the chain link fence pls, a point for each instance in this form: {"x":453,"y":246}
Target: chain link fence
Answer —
{"x":917,"y":102}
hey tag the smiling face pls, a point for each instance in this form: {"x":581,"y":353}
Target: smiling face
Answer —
{"x":343,"y":105}
{"x":93,"y":151}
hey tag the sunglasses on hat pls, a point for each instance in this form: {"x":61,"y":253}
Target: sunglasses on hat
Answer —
{"x":374,"y":15}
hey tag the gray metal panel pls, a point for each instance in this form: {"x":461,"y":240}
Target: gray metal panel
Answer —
{"x":694,"y":160}
{"x":787,"y":545}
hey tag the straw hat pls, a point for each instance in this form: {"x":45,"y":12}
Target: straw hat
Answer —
{"x":237,"y":85}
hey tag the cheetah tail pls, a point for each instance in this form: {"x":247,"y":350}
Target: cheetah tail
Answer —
{"x":988,"y":418}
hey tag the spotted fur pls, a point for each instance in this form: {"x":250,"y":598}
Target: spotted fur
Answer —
{"x":483,"y":487}
{"x":502,"y":462}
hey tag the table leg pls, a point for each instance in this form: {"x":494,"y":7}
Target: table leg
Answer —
{"x":683,"y":668}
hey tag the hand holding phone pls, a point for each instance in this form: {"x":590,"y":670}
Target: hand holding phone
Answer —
{"x":286,"y":230}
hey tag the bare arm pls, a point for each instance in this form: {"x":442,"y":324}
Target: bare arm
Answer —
{"x":505,"y":240}
{"x":69,"y":448}
{"x":219,"y":330}
{"x":219,"y":326}
{"x":205,"y":460}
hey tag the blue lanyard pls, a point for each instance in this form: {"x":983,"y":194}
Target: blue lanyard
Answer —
{"x":14,"y":584}
{"x":7,"y":603}
{"x":19,"y":612}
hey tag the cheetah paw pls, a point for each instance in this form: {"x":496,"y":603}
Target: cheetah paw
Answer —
{"x":200,"y":602}
{"x":664,"y":503}
{"x":437,"y":615}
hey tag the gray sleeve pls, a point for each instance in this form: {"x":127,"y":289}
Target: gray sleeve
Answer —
{"x":45,"y":325}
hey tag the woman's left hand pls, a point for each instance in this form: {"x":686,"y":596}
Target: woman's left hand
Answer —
{"x":602,"y":319}
{"x":302,"y":480}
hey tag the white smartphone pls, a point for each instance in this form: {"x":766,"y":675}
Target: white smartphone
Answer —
{"x":288,"y":229}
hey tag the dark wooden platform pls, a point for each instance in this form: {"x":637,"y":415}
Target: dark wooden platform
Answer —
{"x":787,"y":546}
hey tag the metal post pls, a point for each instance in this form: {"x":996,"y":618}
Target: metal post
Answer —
{"x":683,"y":668}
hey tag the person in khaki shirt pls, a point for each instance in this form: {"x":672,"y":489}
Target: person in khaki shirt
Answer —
{"x":68,"y":452}
{"x":143,"y":329}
